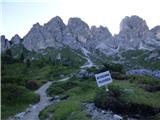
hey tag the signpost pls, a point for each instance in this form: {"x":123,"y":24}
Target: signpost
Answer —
{"x":103,"y":78}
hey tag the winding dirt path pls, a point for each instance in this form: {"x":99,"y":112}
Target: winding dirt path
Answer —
{"x":32,"y":112}
{"x":44,"y":102}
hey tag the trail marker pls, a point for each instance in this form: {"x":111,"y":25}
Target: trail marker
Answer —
{"x":103,"y":78}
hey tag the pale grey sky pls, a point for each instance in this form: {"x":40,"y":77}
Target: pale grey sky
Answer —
{"x":18,"y":16}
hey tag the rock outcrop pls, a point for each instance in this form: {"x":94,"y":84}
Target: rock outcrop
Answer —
{"x":76,"y":34}
{"x":15,"y":39}
{"x":134,"y":34}
{"x":102,"y":40}
{"x":145,"y":72}
{"x":55,"y":27}
{"x":38,"y":38}
{"x":99,"y":35}
{"x":5,"y":44}
{"x":79,"y":29}
{"x":152,"y":39}
{"x":132,"y":30}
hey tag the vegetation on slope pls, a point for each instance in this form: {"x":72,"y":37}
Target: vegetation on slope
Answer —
{"x":126,"y":96}
{"x":24,"y":72}
{"x":130,"y":97}
{"x":79,"y":92}
{"x":137,"y":59}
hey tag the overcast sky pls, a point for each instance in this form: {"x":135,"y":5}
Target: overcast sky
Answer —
{"x":18,"y":16}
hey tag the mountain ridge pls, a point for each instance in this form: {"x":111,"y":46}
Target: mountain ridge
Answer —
{"x":134,"y":34}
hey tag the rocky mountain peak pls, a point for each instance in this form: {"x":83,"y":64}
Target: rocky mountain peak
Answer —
{"x":134,"y":34}
{"x":133,"y":27}
{"x":3,"y":37}
{"x":56,"y":22}
{"x":132,"y":30}
{"x":156,"y":31}
{"x":73,"y":22}
{"x":5,"y":44}
{"x":38,"y":38}
{"x":36,"y":26}
{"x":152,"y":39}
{"x":16,"y":39}
{"x":55,"y":27}
{"x":100,"y":30}
{"x":79,"y":29}
{"x":133,"y":23}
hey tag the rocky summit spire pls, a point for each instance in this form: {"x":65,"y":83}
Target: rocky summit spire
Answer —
{"x":56,"y":21}
{"x":132,"y":30}
{"x":55,"y":27}
{"x":134,"y":34}
{"x":38,"y":38}
{"x":133,"y":26}
{"x":99,"y":35}
{"x":79,"y":29}
{"x":5,"y":44}
{"x":16,"y":39}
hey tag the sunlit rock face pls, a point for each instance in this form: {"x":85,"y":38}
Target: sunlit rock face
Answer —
{"x":5,"y":44}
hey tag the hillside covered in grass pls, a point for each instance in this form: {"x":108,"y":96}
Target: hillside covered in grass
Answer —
{"x":25,"y":72}
{"x":129,"y":96}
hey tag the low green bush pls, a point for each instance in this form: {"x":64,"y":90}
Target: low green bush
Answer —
{"x":114,"y":67}
{"x":32,"y":85}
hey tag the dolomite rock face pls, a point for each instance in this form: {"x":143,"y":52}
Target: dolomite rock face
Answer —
{"x":55,"y":27}
{"x":134,"y":34}
{"x":79,"y":29}
{"x":76,"y":34}
{"x":132,"y":30}
{"x":152,"y":39}
{"x":16,"y":39}
{"x":5,"y":44}
{"x":99,"y":36}
{"x":38,"y":38}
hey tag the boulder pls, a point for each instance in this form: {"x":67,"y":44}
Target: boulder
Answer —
{"x":85,"y":74}
{"x":147,"y":72}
